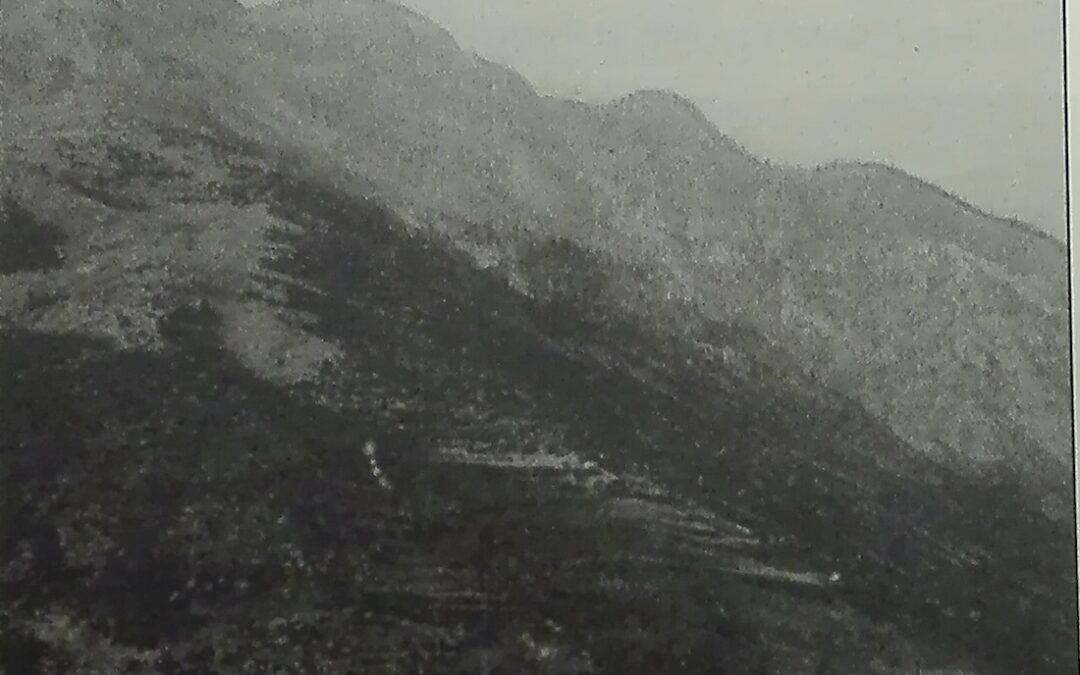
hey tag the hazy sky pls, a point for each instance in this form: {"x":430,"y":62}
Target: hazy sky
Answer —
{"x":965,"y":93}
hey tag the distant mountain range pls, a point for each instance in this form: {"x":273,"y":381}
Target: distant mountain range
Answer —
{"x":636,"y":400}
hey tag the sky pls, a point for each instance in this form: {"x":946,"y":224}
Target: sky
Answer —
{"x":964,"y":93}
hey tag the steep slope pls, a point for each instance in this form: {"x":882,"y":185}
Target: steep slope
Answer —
{"x":983,"y":308}
{"x":309,"y":438}
{"x":887,"y":287}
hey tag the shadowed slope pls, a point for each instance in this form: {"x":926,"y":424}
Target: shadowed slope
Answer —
{"x":491,"y":477}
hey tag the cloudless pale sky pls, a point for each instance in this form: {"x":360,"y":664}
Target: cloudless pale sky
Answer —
{"x":965,"y":93}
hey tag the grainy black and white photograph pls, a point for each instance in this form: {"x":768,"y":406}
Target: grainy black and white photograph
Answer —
{"x":517,"y":336}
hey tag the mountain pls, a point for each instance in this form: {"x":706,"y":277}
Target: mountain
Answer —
{"x":976,"y":306}
{"x":331,"y":347}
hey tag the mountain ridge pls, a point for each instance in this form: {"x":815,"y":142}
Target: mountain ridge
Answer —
{"x":533,"y":173}
{"x":723,"y":250}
